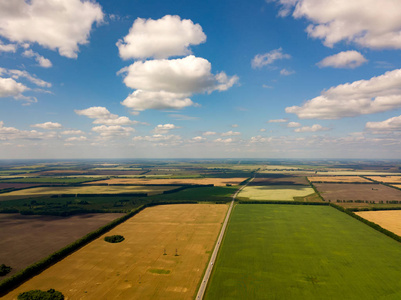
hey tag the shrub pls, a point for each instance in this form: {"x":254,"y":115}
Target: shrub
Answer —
{"x":4,"y":270}
{"x":114,"y":238}
{"x":41,"y":295}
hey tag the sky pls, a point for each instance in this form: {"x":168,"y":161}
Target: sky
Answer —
{"x":200,"y":79}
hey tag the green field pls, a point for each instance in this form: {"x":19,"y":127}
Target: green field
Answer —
{"x":303,"y":252}
{"x":275,"y":192}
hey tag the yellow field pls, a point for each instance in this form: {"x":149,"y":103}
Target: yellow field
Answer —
{"x":388,"y":219}
{"x":275,"y":192}
{"x":351,"y":179}
{"x":42,"y":191}
{"x":144,"y":181}
{"x":137,"y":268}
{"x":387,"y":179}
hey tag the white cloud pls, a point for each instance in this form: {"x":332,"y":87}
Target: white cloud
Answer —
{"x":72,"y":132}
{"x":374,"y":24}
{"x":103,"y":116}
{"x":293,"y":124}
{"x":48,"y":125}
{"x":162,"y":38}
{"x":313,"y":128}
{"x":16,"y":74}
{"x":181,"y":117}
{"x":10,"y":88}
{"x":162,"y":84}
{"x":198,"y":139}
{"x":12,"y":133}
{"x":286,"y":72}
{"x":345,"y":59}
{"x":161,"y":129}
{"x":268,"y":58}
{"x":260,"y":139}
{"x":8,"y":47}
{"x":392,"y":124}
{"x":113,"y":131}
{"x":76,"y":139}
{"x":43,"y":62}
{"x":54,"y":24}
{"x":234,"y":125}
{"x":225,"y":141}
{"x":158,"y":138}
{"x":262,"y":130}
{"x":230,"y":133}
{"x":378,"y":94}
{"x":278,"y":121}
{"x":265,"y":86}
{"x":207,"y":133}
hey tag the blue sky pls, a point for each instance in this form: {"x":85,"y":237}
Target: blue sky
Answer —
{"x":263,"y":79}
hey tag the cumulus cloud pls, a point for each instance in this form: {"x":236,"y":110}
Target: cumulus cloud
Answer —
{"x":278,"y":121}
{"x":12,"y":133}
{"x":113,"y":131}
{"x":158,"y":138}
{"x":162,"y":84}
{"x":17,"y":74}
{"x":48,"y":125}
{"x":198,"y":139}
{"x":103,"y":116}
{"x":8,"y":47}
{"x":54,"y":24}
{"x":10,"y":88}
{"x":225,"y":141}
{"x":293,"y":124}
{"x":260,"y":139}
{"x":207,"y":133}
{"x":230,"y":133}
{"x":161,"y":129}
{"x":43,"y":62}
{"x":392,"y":124}
{"x":374,"y":24}
{"x":162,"y":38}
{"x":72,"y":132}
{"x":76,"y":139}
{"x":286,"y":72}
{"x":268,"y":58}
{"x":312,"y":128}
{"x":345,"y":59}
{"x":378,"y":94}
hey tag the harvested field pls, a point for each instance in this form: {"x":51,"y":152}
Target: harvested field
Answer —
{"x":388,"y":219}
{"x":42,"y":191}
{"x":86,"y":172}
{"x":136,"y":268}
{"x":357,"y":192}
{"x":144,"y":181}
{"x":303,"y":252}
{"x":386,"y":179}
{"x":301,"y":180}
{"x":27,"y":239}
{"x":275,"y":192}
{"x":339,"y":179}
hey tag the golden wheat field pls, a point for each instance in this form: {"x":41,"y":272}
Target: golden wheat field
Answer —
{"x":163,"y":256}
{"x":388,"y":219}
{"x":351,"y":179}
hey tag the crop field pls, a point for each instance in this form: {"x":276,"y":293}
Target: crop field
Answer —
{"x":358,"y":192}
{"x":388,"y":219}
{"x":16,"y":185}
{"x":275,"y":192}
{"x":137,"y":267}
{"x":338,"y":179}
{"x":282,"y":180}
{"x":303,"y":252}
{"x":51,"y":180}
{"x":85,"y":172}
{"x":27,"y":239}
{"x":386,"y":179}
{"x":144,"y":181}
{"x":43,"y":191}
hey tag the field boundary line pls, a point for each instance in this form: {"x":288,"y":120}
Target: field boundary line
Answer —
{"x":210,"y":265}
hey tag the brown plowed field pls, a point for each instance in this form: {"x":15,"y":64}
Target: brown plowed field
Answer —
{"x":388,"y":219}
{"x":338,"y":179}
{"x":364,"y":192}
{"x":387,"y":179}
{"x":143,"y":181}
{"x":27,"y":239}
{"x":301,"y":180}
{"x":137,"y":267}
{"x":18,"y":185}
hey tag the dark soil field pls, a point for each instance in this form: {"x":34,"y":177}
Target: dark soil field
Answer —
{"x":27,"y":239}
{"x":358,"y":192}
{"x":280,"y":181}
{"x":17,"y":185}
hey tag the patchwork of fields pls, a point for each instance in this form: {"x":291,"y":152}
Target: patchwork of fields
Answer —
{"x":338,"y":179}
{"x":183,"y":181}
{"x":137,"y":268}
{"x":303,"y":252}
{"x":275,"y":192}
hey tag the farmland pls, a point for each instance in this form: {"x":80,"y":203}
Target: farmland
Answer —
{"x":338,"y":179}
{"x":137,"y":268}
{"x":388,"y":219}
{"x":184,"y":181}
{"x":375,"y":193}
{"x":303,"y":252}
{"x":386,"y":179}
{"x":19,"y":242}
{"x":275,"y":192}
{"x":51,"y":180}
{"x":279,"y":180}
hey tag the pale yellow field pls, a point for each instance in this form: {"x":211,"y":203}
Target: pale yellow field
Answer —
{"x":352,"y":179}
{"x":41,"y":191}
{"x":275,"y":192}
{"x":387,"y":179}
{"x":388,"y":219}
{"x":131,"y":269}
{"x":144,"y":181}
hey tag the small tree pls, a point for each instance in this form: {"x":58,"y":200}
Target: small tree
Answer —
{"x":114,"y":238}
{"x":4,"y":270}
{"x":41,"y":295}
